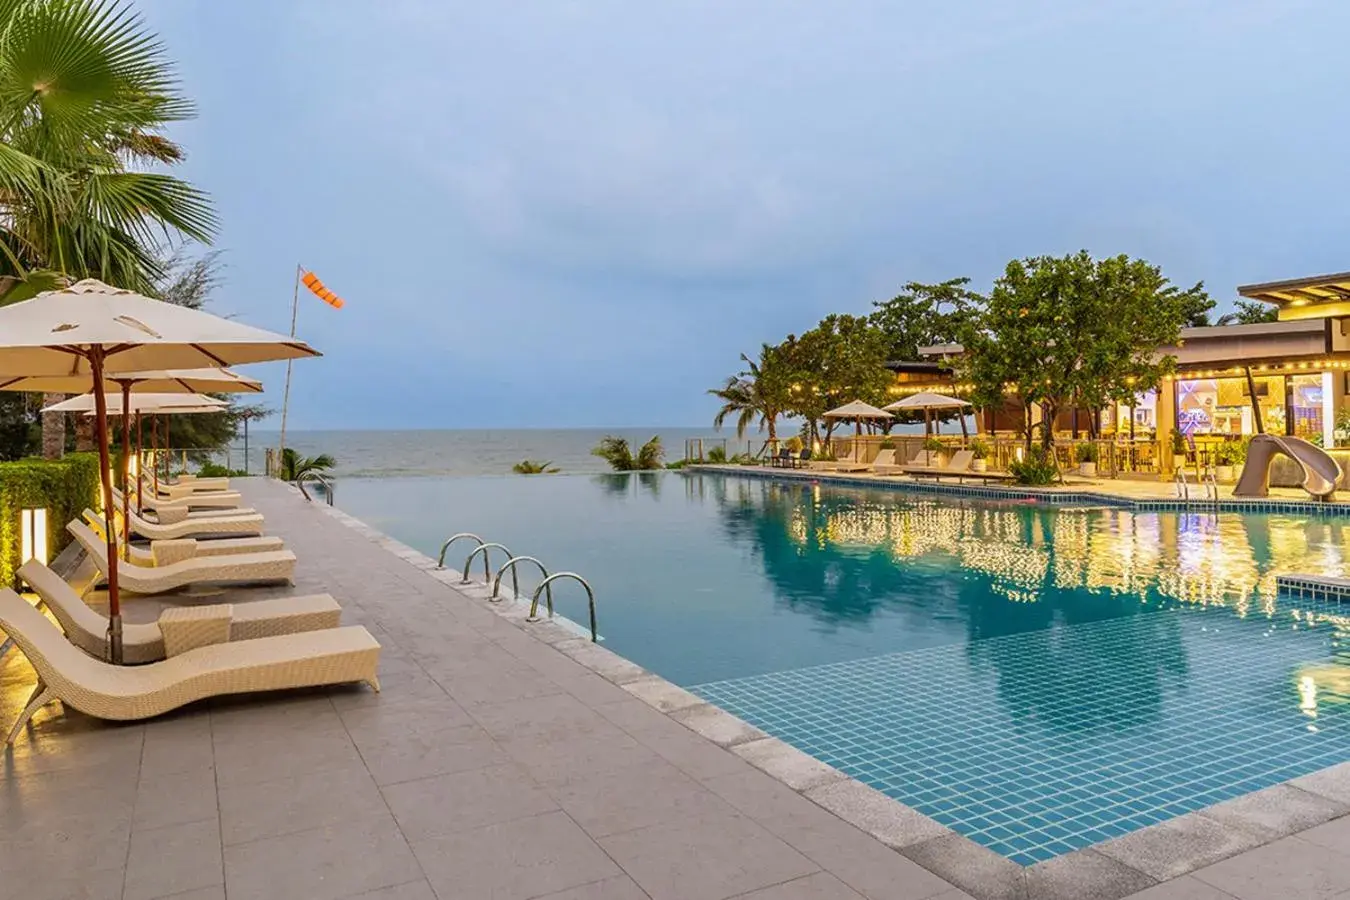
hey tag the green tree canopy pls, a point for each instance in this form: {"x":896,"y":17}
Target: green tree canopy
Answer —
{"x":922,"y":315}
{"x":762,"y":391}
{"x":1249,"y":312}
{"x":1075,"y":330}
{"x":841,"y":359}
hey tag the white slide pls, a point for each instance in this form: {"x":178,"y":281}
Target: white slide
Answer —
{"x":1321,"y":473}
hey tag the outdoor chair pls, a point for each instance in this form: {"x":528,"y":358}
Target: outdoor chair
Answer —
{"x":142,"y":643}
{"x":170,"y":550}
{"x":277,"y":566}
{"x":326,"y":657}
{"x":200,"y":527}
{"x":209,"y":500}
{"x":957,"y":466}
{"x":174,"y":511}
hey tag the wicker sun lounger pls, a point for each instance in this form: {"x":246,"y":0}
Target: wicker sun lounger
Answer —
{"x":208,"y":500}
{"x":192,"y":488}
{"x":172,"y":513}
{"x":209,"y":483}
{"x":105,"y":691}
{"x":162,"y":551}
{"x":142,"y":643}
{"x":211,"y":527}
{"x":238,"y":568}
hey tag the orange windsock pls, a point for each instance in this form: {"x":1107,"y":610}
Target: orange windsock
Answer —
{"x":323,"y":293}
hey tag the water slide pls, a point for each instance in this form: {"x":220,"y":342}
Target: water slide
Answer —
{"x":1321,"y":473}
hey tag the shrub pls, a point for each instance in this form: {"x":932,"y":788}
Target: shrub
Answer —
{"x":794,"y":444}
{"x":887,"y":444}
{"x":216,"y":470}
{"x":616,"y":452}
{"x":717,"y":455}
{"x":1037,"y":468}
{"x":530,"y":467}
{"x":1086,"y":453}
{"x":1178,"y":443}
{"x":933,"y":445}
{"x":64,"y":487}
{"x":979,"y":449}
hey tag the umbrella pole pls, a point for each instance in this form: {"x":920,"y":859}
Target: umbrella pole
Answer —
{"x":154,"y":454}
{"x":126,"y":470}
{"x":140,"y":461}
{"x":105,"y":463}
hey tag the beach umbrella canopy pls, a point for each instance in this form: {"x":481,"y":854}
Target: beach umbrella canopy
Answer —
{"x":857,"y":411}
{"x":157,"y":381}
{"x":927,"y":400}
{"x":142,"y":403}
{"x":94,"y":329}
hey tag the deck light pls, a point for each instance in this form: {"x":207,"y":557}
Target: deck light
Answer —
{"x":33,"y":534}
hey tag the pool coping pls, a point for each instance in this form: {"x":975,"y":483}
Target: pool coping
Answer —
{"x":1106,"y":871}
{"x":1050,"y":497}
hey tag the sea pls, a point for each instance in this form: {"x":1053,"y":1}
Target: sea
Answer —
{"x":466,"y":452}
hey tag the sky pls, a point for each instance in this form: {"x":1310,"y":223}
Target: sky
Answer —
{"x":579,"y":213}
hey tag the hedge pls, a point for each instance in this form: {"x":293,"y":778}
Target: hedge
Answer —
{"x":64,"y":487}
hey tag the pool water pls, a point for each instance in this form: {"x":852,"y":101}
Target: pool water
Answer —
{"x":1039,"y":679}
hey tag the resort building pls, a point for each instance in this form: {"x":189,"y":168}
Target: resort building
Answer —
{"x":1298,"y":366}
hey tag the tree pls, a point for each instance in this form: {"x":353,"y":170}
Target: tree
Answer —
{"x":761,"y":391}
{"x":530,"y":467}
{"x":1249,"y":312}
{"x":1074,"y":330}
{"x":616,"y":452}
{"x":85,"y":91}
{"x":922,"y":315}
{"x":841,"y":359}
{"x":297,"y":468}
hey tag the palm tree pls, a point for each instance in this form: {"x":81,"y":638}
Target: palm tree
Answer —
{"x":296,"y":468}
{"x":749,"y":395}
{"x":85,"y":90}
{"x":530,"y":467}
{"x":616,"y":452}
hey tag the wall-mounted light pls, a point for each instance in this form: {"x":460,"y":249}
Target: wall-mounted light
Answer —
{"x":33,"y":532}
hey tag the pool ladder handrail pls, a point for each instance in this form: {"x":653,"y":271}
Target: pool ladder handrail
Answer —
{"x":440,"y":560}
{"x":515,"y":578}
{"x":1211,"y":485}
{"x":486,"y":550}
{"x":545,"y":584}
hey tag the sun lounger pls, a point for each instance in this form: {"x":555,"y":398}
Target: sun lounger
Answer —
{"x":197,"y":483}
{"x":161,"y":550}
{"x":170,"y":513}
{"x":958,"y":465}
{"x":211,"y":500}
{"x":104,"y":691}
{"x":885,"y":464}
{"x":142,"y":643}
{"x":240,"y":568}
{"x":200,"y":527}
{"x":192,"y":488}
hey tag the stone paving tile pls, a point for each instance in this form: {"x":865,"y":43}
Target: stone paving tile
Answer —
{"x":516,"y":860}
{"x":707,"y":856}
{"x":820,"y":886}
{"x":175,"y":798}
{"x":1084,"y":875}
{"x":1276,"y":811}
{"x":464,"y":801}
{"x":1333,"y":783}
{"x":173,"y":859}
{"x":428,"y":751}
{"x":1179,"y":845}
{"x":1289,"y":869}
{"x":620,"y":888}
{"x":413,"y":890}
{"x":1184,"y":888}
{"x":263,"y":809}
{"x":322,"y":863}
{"x":634,"y":798}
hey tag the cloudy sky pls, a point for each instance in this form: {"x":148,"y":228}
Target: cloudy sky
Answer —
{"x":579,"y":212}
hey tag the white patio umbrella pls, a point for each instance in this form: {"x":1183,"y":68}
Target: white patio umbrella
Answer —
{"x":857,"y":411}
{"x":141,"y":403}
{"x":929,"y":401}
{"x":93,"y":329}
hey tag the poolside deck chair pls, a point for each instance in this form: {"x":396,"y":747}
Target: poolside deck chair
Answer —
{"x":99,"y":689}
{"x":885,"y":464}
{"x":199,"y":527}
{"x":276,"y":566}
{"x":781,"y":460}
{"x":803,"y":460}
{"x":142,"y":643}
{"x":209,"y":500}
{"x":957,"y":466}
{"x":172,"y":549}
{"x":171,"y":490}
{"x":170,"y":512}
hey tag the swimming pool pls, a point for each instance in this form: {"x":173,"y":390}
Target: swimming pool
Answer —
{"x":1039,"y":679}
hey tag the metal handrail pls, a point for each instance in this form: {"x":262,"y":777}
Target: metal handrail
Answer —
{"x":483,"y":549}
{"x":322,"y":479}
{"x":440,"y":560}
{"x":515,"y":577}
{"x":590,"y":599}
{"x":1183,"y":488}
{"x":1211,"y":484}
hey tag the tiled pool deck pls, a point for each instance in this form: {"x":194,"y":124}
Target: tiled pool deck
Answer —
{"x":513,"y":761}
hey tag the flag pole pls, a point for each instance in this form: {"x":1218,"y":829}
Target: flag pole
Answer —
{"x":286,"y":396}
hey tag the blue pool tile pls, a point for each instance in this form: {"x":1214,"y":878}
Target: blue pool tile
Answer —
{"x":1081,"y":733}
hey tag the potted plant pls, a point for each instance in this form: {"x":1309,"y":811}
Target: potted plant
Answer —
{"x":1178,"y":450}
{"x":1225,"y":460}
{"x":1086,"y":455}
{"x":933,"y":449}
{"x":979,"y":452}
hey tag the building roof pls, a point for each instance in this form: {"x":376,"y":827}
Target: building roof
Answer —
{"x":1300,"y":291}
